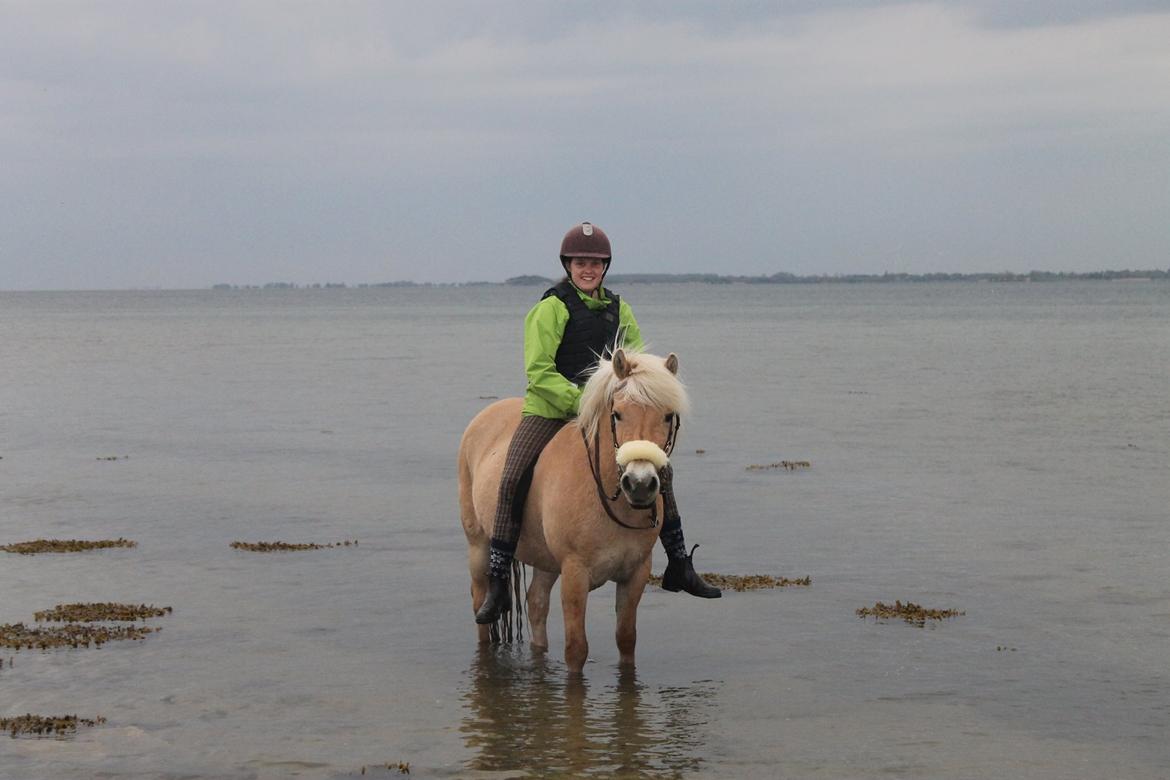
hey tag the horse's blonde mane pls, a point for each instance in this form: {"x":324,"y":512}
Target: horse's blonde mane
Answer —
{"x":649,"y":383}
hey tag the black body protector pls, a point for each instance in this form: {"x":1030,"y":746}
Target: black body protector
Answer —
{"x":588,"y":333}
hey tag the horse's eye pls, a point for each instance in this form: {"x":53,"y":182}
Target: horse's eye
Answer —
{"x":617,"y":416}
{"x":668,"y":418}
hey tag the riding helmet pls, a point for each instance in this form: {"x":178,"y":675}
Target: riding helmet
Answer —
{"x":586,"y":240}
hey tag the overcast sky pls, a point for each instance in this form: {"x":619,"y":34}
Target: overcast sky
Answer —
{"x":165,"y":144}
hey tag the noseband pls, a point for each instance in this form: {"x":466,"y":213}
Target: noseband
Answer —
{"x":595,"y":467}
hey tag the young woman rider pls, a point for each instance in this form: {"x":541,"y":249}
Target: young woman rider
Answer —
{"x":573,"y":323}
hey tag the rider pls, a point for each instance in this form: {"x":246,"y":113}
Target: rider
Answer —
{"x":573,"y":323}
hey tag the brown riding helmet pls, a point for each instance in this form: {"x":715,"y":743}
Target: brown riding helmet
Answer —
{"x":586,"y":240}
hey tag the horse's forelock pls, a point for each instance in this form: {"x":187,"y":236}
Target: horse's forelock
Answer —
{"x":649,"y":383}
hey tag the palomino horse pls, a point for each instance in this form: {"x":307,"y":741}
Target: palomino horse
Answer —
{"x":576,"y":527}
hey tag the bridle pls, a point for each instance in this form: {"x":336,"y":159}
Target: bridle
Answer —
{"x":595,"y":467}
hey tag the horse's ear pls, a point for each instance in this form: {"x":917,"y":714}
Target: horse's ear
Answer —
{"x":672,"y":363}
{"x":621,"y":364}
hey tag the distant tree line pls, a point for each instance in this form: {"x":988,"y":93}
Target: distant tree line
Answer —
{"x":787,"y":278}
{"x":281,"y":286}
{"x":776,"y":278}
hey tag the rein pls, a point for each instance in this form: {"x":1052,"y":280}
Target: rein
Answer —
{"x":595,"y":469}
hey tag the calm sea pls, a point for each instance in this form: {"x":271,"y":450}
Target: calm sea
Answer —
{"x":1001,"y":449}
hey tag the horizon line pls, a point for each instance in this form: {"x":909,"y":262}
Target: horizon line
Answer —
{"x":635,"y":277}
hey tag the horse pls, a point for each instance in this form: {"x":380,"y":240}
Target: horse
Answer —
{"x":629,"y":414}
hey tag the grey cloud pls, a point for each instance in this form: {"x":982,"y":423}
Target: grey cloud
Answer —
{"x":187,"y":144}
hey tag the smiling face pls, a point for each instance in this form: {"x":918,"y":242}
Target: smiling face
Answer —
{"x":586,"y":273}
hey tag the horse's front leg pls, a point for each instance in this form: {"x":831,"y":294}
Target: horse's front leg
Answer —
{"x":629,"y":595}
{"x":539,"y":591}
{"x":574,"y":593}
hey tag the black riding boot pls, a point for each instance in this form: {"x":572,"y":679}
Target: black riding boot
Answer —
{"x":680,"y":568}
{"x":499,"y":600}
{"x":680,"y":574}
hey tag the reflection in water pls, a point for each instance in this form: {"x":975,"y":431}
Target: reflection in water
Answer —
{"x":524,"y":714}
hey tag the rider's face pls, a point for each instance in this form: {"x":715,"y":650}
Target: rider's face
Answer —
{"x":586,"y":273}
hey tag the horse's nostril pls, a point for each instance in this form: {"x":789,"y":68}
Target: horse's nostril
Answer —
{"x":627,"y":483}
{"x":654,"y":483}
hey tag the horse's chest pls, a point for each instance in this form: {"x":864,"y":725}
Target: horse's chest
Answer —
{"x":615,"y":564}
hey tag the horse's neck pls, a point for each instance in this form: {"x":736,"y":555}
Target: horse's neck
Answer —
{"x":592,"y":453}
{"x":606,"y":461}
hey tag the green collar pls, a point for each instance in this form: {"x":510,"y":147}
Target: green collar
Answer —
{"x":600,"y":302}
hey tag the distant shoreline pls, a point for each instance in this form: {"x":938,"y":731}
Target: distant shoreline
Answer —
{"x":778,"y":278}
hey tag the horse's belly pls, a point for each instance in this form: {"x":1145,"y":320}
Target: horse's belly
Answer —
{"x":537,"y":555}
{"x":533,"y":548}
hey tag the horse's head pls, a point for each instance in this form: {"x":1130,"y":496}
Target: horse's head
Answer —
{"x":640,"y":400}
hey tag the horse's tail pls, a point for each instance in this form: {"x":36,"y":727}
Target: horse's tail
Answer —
{"x":509,"y":627}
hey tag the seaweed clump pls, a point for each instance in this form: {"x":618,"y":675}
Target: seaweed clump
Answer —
{"x":40,"y":725}
{"x":65,"y":545}
{"x":286,"y":546}
{"x":909,"y":612}
{"x":402,"y":767}
{"x":745,"y":582}
{"x":89,"y":613}
{"x":18,"y":636}
{"x":787,"y":465}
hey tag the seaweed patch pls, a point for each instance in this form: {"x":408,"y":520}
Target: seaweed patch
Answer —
{"x":746,"y":582}
{"x":402,"y":768}
{"x":787,"y":465}
{"x":909,"y":612}
{"x":287,"y":546}
{"x":18,"y":635}
{"x":40,"y":725}
{"x":89,"y":613}
{"x":65,"y":545}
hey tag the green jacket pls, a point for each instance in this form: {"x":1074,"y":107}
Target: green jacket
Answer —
{"x":549,"y":393}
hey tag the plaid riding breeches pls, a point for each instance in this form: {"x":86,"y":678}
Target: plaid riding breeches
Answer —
{"x":528,"y":441}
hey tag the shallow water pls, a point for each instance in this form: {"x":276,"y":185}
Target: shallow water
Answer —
{"x":1000,"y":449}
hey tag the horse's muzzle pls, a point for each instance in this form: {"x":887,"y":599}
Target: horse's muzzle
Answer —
{"x":640,"y":484}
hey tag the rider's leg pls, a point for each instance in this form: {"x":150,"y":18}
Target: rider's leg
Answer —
{"x":529,"y":439}
{"x":680,"y":571}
